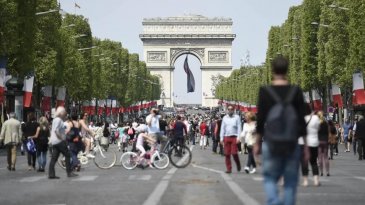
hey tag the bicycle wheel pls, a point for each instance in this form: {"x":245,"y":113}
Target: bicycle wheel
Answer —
{"x":105,"y":159}
{"x":61,"y":161}
{"x":160,"y":160}
{"x":180,"y":156}
{"x":129,"y":160}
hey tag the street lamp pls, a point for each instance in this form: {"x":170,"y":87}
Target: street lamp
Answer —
{"x":318,"y":24}
{"x":79,"y":36}
{"x":46,"y":12}
{"x":71,"y":25}
{"x":334,"y":6}
{"x":82,"y":49}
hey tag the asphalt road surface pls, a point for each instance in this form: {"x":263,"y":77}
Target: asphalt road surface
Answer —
{"x":203,"y":182}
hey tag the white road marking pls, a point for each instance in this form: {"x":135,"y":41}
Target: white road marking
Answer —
{"x":85,"y":178}
{"x":258,"y":178}
{"x":236,"y":189}
{"x":32,"y":179}
{"x":362,"y":178}
{"x":141,"y":177}
{"x":321,"y":179}
{"x":155,"y":197}
{"x":209,"y":169}
{"x":240,"y":193}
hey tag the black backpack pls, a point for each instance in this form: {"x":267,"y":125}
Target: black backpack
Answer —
{"x":282,"y":124}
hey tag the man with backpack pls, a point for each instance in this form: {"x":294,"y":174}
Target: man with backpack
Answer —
{"x":280,"y":123}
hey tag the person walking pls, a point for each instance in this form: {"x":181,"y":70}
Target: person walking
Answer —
{"x":346,"y":133}
{"x":332,"y":139}
{"x":11,"y":134}
{"x":29,"y":130}
{"x":313,"y":123}
{"x":59,"y":144}
{"x":280,"y":149}
{"x":360,"y":136}
{"x":41,"y":142}
{"x":153,"y":123}
{"x":230,"y":131}
{"x":215,"y":135}
{"x":323,"y":134}
{"x":217,"y":132}
{"x":203,"y":136}
{"x":249,"y":136}
{"x":180,"y":130}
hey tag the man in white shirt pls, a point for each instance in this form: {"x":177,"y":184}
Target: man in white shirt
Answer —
{"x":59,"y":144}
{"x":153,"y":124}
{"x":230,"y":130}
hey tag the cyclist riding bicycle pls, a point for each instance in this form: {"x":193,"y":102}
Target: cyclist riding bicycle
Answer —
{"x":142,"y":137}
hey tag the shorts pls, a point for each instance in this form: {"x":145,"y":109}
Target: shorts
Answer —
{"x":345,"y":139}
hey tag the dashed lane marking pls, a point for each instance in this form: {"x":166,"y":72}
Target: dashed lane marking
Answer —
{"x":141,"y":177}
{"x":236,"y":189}
{"x":258,"y":178}
{"x":155,"y":197}
{"x":85,"y":178}
{"x":362,"y":178}
{"x":32,"y":179}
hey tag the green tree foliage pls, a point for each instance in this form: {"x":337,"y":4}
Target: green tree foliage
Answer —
{"x":61,"y":51}
{"x":242,"y":85}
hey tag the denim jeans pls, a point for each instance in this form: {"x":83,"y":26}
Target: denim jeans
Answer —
{"x":42,"y":159}
{"x":275,"y":167}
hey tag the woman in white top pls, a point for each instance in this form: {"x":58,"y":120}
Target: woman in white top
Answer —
{"x":248,"y":134}
{"x":313,"y":123}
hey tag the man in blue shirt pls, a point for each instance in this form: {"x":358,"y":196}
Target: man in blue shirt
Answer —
{"x":230,"y":130}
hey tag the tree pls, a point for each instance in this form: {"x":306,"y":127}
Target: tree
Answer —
{"x":309,"y":51}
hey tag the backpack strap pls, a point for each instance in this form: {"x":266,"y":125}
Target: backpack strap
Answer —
{"x":274,"y":94}
{"x":291,"y":95}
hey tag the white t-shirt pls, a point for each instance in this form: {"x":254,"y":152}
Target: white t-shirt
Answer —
{"x":248,"y":131}
{"x":154,"y":127}
{"x":312,"y":130}
{"x":140,"y":140}
{"x":57,"y":124}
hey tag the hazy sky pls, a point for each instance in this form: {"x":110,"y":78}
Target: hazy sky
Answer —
{"x":121,"y":20}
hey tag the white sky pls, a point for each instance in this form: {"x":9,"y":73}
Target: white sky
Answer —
{"x":121,"y":20}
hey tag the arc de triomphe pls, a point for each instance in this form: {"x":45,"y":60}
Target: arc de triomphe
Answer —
{"x":209,"y":39}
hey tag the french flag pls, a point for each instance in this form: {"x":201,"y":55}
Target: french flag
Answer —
{"x":46,"y":100}
{"x":3,"y":61}
{"x":61,"y":95}
{"x":358,"y":89}
{"x":191,"y":79}
{"x":317,"y":102}
{"x":336,"y":96}
{"x":28,"y":89}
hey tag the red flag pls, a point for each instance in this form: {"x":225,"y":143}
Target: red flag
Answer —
{"x":336,"y":96}
{"x":46,"y":100}
{"x":317,"y":102}
{"x":61,"y":95}
{"x":358,"y":89}
{"x":28,"y":89}
{"x":3,"y":61}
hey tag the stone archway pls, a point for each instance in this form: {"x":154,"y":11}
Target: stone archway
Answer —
{"x":209,"y":39}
